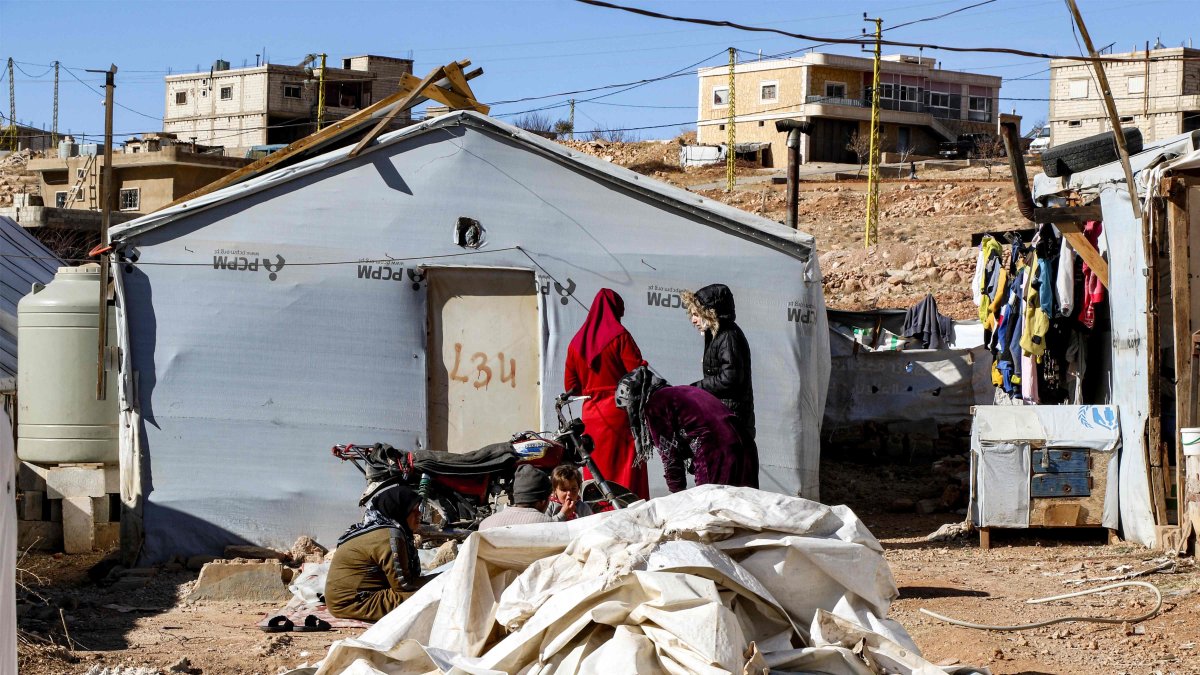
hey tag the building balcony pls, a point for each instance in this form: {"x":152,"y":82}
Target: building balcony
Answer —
{"x":835,"y":101}
{"x":904,"y":107}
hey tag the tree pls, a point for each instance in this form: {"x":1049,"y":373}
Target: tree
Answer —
{"x":613,"y":135}
{"x":535,"y":122}
{"x":564,"y":129}
{"x":990,"y":150}
{"x":860,"y":145}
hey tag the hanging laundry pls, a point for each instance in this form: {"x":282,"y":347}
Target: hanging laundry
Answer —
{"x":1036,"y":322}
{"x":931,"y":329}
{"x":1093,"y":290}
{"x":1064,"y":281}
{"x":988,"y":260}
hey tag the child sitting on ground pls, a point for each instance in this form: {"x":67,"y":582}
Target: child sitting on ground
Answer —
{"x":564,"y":500}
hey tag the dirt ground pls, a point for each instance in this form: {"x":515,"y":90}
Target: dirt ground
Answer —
{"x":140,"y":622}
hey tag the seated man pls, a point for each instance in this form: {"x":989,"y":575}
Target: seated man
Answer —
{"x":375,"y":566}
{"x":531,"y":493}
{"x":564,"y":500}
{"x":685,"y":424}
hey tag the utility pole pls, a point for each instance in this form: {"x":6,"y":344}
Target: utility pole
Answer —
{"x":571,"y":119}
{"x":871,"y":236}
{"x":10,"y":133}
{"x":1113,"y":118}
{"x":321,"y":95}
{"x":731,"y":141}
{"x":54,"y":126}
{"x":105,"y":215}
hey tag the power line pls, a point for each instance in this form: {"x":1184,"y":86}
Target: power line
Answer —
{"x":138,"y":112}
{"x":859,"y":41}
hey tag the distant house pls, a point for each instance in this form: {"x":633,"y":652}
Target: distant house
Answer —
{"x":22,"y":137}
{"x":152,"y":171}
{"x":273,"y":103}
{"x":1157,"y":91}
{"x":921,"y":105}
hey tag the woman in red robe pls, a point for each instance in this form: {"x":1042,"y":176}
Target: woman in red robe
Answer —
{"x":600,"y":354}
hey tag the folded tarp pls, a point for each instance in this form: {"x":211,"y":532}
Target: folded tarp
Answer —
{"x":681,"y":584}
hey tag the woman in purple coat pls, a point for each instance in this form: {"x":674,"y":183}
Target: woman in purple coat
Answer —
{"x":686,"y":425}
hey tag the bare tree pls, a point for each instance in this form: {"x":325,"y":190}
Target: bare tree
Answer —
{"x":563,"y":129}
{"x":860,"y":145}
{"x":535,"y":122}
{"x":990,"y":150}
{"x":613,"y":135}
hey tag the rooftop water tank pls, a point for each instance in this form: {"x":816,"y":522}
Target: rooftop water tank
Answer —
{"x":59,"y":419}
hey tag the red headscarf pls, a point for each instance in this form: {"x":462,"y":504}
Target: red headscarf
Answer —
{"x":602,"y":326}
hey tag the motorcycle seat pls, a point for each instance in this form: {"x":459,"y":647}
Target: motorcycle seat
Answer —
{"x":488,"y":459}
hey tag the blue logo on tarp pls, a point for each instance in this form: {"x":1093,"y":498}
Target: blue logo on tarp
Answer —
{"x":1091,"y":416}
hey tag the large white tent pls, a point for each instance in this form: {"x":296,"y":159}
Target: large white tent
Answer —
{"x":421,"y":294}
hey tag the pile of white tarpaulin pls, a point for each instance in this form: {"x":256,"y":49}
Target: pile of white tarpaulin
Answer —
{"x":711,"y":580}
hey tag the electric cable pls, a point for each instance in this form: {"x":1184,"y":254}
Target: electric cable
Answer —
{"x":1094,"y":619}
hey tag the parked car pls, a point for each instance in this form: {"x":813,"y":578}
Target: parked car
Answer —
{"x":1041,"y":142}
{"x":966,"y":147}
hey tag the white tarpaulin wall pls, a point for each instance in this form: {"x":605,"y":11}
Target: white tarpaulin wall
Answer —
{"x":681,"y":584}
{"x":263,"y":326}
{"x":24,"y":261}
{"x":8,"y":546}
{"x":1129,"y":390}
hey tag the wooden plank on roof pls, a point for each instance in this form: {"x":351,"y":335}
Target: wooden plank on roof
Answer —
{"x":446,"y":96}
{"x":1073,"y":233}
{"x":406,"y":102}
{"x":330,"y":133}
{"x":458,"y":81}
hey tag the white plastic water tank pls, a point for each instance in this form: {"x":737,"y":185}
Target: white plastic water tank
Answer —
{"x":58,"y":417}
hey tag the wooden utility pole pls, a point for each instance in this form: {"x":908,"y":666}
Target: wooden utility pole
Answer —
{"x":1113,"y":118}
{"x":106,"y":191}
{"x":871,"y":235}
{"x":731,"y":139}
{"x":321,"y":95}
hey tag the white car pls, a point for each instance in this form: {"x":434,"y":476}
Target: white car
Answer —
{"x":1041,"y":142}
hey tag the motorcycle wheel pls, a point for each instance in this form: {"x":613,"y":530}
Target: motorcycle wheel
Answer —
{"x":590,"y":493}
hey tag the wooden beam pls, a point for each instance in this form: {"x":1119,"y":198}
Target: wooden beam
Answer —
{"x":1073,"y":233}
{"x":328,"y":134}
{"x":405,"y":103}
{"x":1178,"y":236}
{"x":446,"y":96}
{"x":458,"y":81}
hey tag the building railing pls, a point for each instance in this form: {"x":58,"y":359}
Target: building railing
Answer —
{"x":834,"y":101}
{"x":905,"y":106}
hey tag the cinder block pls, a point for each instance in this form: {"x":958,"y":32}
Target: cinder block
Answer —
{"x":39,"y":535}
{"x":32,"y":505}
{"x":108,"y":536}
{"x":31,"y":477}
{"x":79,"y":528}
{"x":100,"y":509}
{"x":112,"y":478}
{"x":258,"y":581}
{"x":75,"y":481}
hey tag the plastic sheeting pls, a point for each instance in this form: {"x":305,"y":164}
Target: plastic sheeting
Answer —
{"x":680,"y":584}
{"x":265,"y":322}
{"x":8,"y":546}
{"x":24,"y":261}
{"x":1002,"y":439}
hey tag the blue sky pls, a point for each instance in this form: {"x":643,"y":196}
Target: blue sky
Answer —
{"x":527,"y":48}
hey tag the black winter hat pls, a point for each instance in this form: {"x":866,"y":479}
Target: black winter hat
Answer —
{"x":530,"y":485}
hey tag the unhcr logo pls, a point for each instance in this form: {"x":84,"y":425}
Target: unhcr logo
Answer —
{"x":244,"y":261}
{"x":801,"y":312}
{"x":667,"y":298}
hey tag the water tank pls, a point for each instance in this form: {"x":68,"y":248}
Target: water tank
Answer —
{"x":67,"y":149}
{"x":59,"y":419}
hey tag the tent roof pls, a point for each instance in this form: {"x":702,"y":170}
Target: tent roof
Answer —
{"x":23,"y":262}
{"x":719,"y":215}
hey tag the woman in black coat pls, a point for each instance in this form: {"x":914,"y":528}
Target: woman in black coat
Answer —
{"x":727,"y":369}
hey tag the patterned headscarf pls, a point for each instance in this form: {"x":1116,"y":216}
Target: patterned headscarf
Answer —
{"x":389,"y":508}
{"x":633,"y":393}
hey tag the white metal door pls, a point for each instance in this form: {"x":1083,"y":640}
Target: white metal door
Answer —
{"x":484,"y":386}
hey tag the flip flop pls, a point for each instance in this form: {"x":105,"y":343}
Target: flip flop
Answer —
{"x":312,"y":624}
{"x":277,"y":624}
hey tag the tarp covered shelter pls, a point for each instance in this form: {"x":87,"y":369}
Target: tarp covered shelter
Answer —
{"x":421,"y":294}
{"x":1130,"y":364}
{"x":24,"y":261}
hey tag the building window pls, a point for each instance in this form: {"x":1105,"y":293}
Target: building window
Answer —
{"x":835,"y":90}
{"x":131,"y":199}
{"x":1136,"y":84}
{"x":181,"y":98}
{"x":768,"y":92}
{"x":79,"y":173}
{"x":980,"y":104}
{"x":721,"y":127}
{"x":204,"y":82}
{"x":761,"y":123}
{"x":720,"y":97}
{"x":291,"y":91}
{"x":1127,"y":119}
{"x":939,"y":100}
{"x":1077,"y":89}
{"x":226,"y":93}
{"x":203,"y":93}
{"x":1074,"y":123}
{"x":908,"y":93}
{"x":60,"y":200}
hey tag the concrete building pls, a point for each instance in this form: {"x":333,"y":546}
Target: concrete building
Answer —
{"x":23,"y":137}
{"x":152,"y":172}
{"x":274,"y":103}
{"x":921,"y":105}
{"x":1161,"y":97}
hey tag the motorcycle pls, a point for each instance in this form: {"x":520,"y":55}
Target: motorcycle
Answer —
{"x":459,"y":490}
